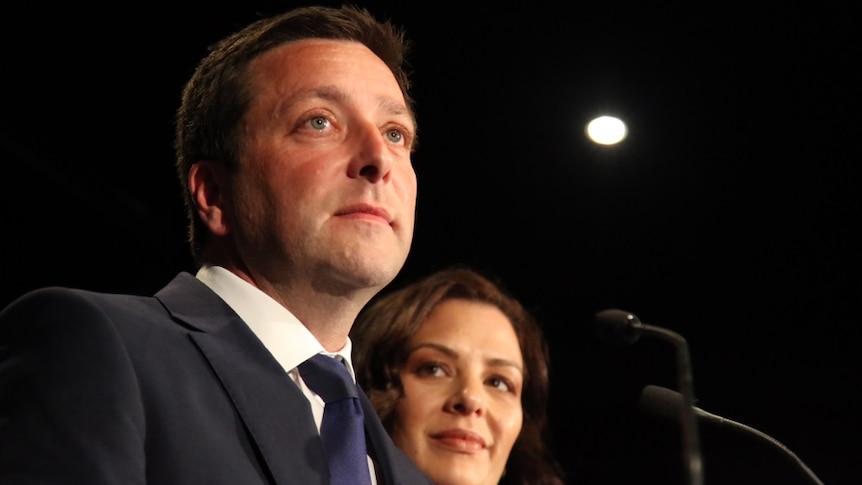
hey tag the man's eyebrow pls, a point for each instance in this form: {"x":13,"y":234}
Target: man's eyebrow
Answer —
{"x":394,"y":106}
{"x":327,"y":92}
{"x":330,"y":93}
{"x":333,"y":93}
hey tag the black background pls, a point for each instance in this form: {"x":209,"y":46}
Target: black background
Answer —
{"x":729,"y":215}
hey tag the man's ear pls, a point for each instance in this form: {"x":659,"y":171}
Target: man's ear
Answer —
{"x":208,"y":184}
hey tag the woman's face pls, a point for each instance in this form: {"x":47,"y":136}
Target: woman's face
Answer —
{"x":461,"y":411}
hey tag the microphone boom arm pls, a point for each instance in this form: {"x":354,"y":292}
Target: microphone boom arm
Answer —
{"x":666,"y":404}
{"x":765,"y":437}
{"x":688,"y":421}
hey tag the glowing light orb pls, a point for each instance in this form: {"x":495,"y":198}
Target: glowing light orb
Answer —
{"x":607,"y":130}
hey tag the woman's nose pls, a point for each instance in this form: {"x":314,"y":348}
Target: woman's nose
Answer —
{"x":466,"y":399}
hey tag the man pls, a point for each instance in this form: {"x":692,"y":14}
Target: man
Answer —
{"x":293,"y":143}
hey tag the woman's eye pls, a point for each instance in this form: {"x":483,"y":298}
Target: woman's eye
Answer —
{"x":499,"y":383}
{"x":319,"y":123}
{"x":430,"y":369}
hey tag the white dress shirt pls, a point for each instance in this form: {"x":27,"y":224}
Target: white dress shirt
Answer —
{"x":286,"y":338}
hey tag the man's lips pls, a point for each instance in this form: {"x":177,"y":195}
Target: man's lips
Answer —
{"x":460,"y":439}
{"x":365,"y":211}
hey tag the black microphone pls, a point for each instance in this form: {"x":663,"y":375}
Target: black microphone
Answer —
{"x":618,"y":327}
{"x":667,"y":404}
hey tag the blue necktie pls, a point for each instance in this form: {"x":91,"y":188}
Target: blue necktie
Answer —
{"x":343,"y":427}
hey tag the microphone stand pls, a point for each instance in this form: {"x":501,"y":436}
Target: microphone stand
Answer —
{"x":666,"y":404}
{"x":618,"y":326}
{"x":692,"y":458}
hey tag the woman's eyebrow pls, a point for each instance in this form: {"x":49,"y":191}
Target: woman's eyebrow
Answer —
{"x":492,"y":362}
{"x":438,"y":347}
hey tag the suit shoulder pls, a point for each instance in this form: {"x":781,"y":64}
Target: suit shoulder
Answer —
{"x":57,"y":308}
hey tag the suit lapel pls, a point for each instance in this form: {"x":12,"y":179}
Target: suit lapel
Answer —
{"x":275,"y":412}
{"x":392,"y":465}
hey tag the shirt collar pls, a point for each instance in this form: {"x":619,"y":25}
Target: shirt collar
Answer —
{"x":286,"y":338}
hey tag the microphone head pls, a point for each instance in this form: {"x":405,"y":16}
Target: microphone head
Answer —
{"x":661,"y":402}
{"x":617,"y":327}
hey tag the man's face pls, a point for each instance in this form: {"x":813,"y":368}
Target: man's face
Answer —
{"x":325,"y":190}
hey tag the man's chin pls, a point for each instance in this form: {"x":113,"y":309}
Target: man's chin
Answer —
{"x":369,"y":273}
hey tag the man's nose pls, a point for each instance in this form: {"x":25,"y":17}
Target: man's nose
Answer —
{"x":373,"y":158}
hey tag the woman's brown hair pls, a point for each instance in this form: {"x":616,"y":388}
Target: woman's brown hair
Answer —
{"x":383,"y":328}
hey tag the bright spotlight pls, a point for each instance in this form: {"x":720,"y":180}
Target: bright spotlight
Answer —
{"x":607,"y":130}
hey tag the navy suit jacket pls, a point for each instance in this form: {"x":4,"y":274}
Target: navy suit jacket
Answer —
{"x":173,"y":389}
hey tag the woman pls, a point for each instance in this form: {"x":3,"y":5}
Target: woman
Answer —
{"x":457,"y":369}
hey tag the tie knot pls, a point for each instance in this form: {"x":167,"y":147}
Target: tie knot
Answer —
{"x":328,"y":378}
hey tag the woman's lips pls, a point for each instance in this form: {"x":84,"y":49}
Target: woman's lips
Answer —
{"x":459,"y":439}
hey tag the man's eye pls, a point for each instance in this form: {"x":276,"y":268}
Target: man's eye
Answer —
{"x":394,"y":136}
{"x":319,"y":123}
